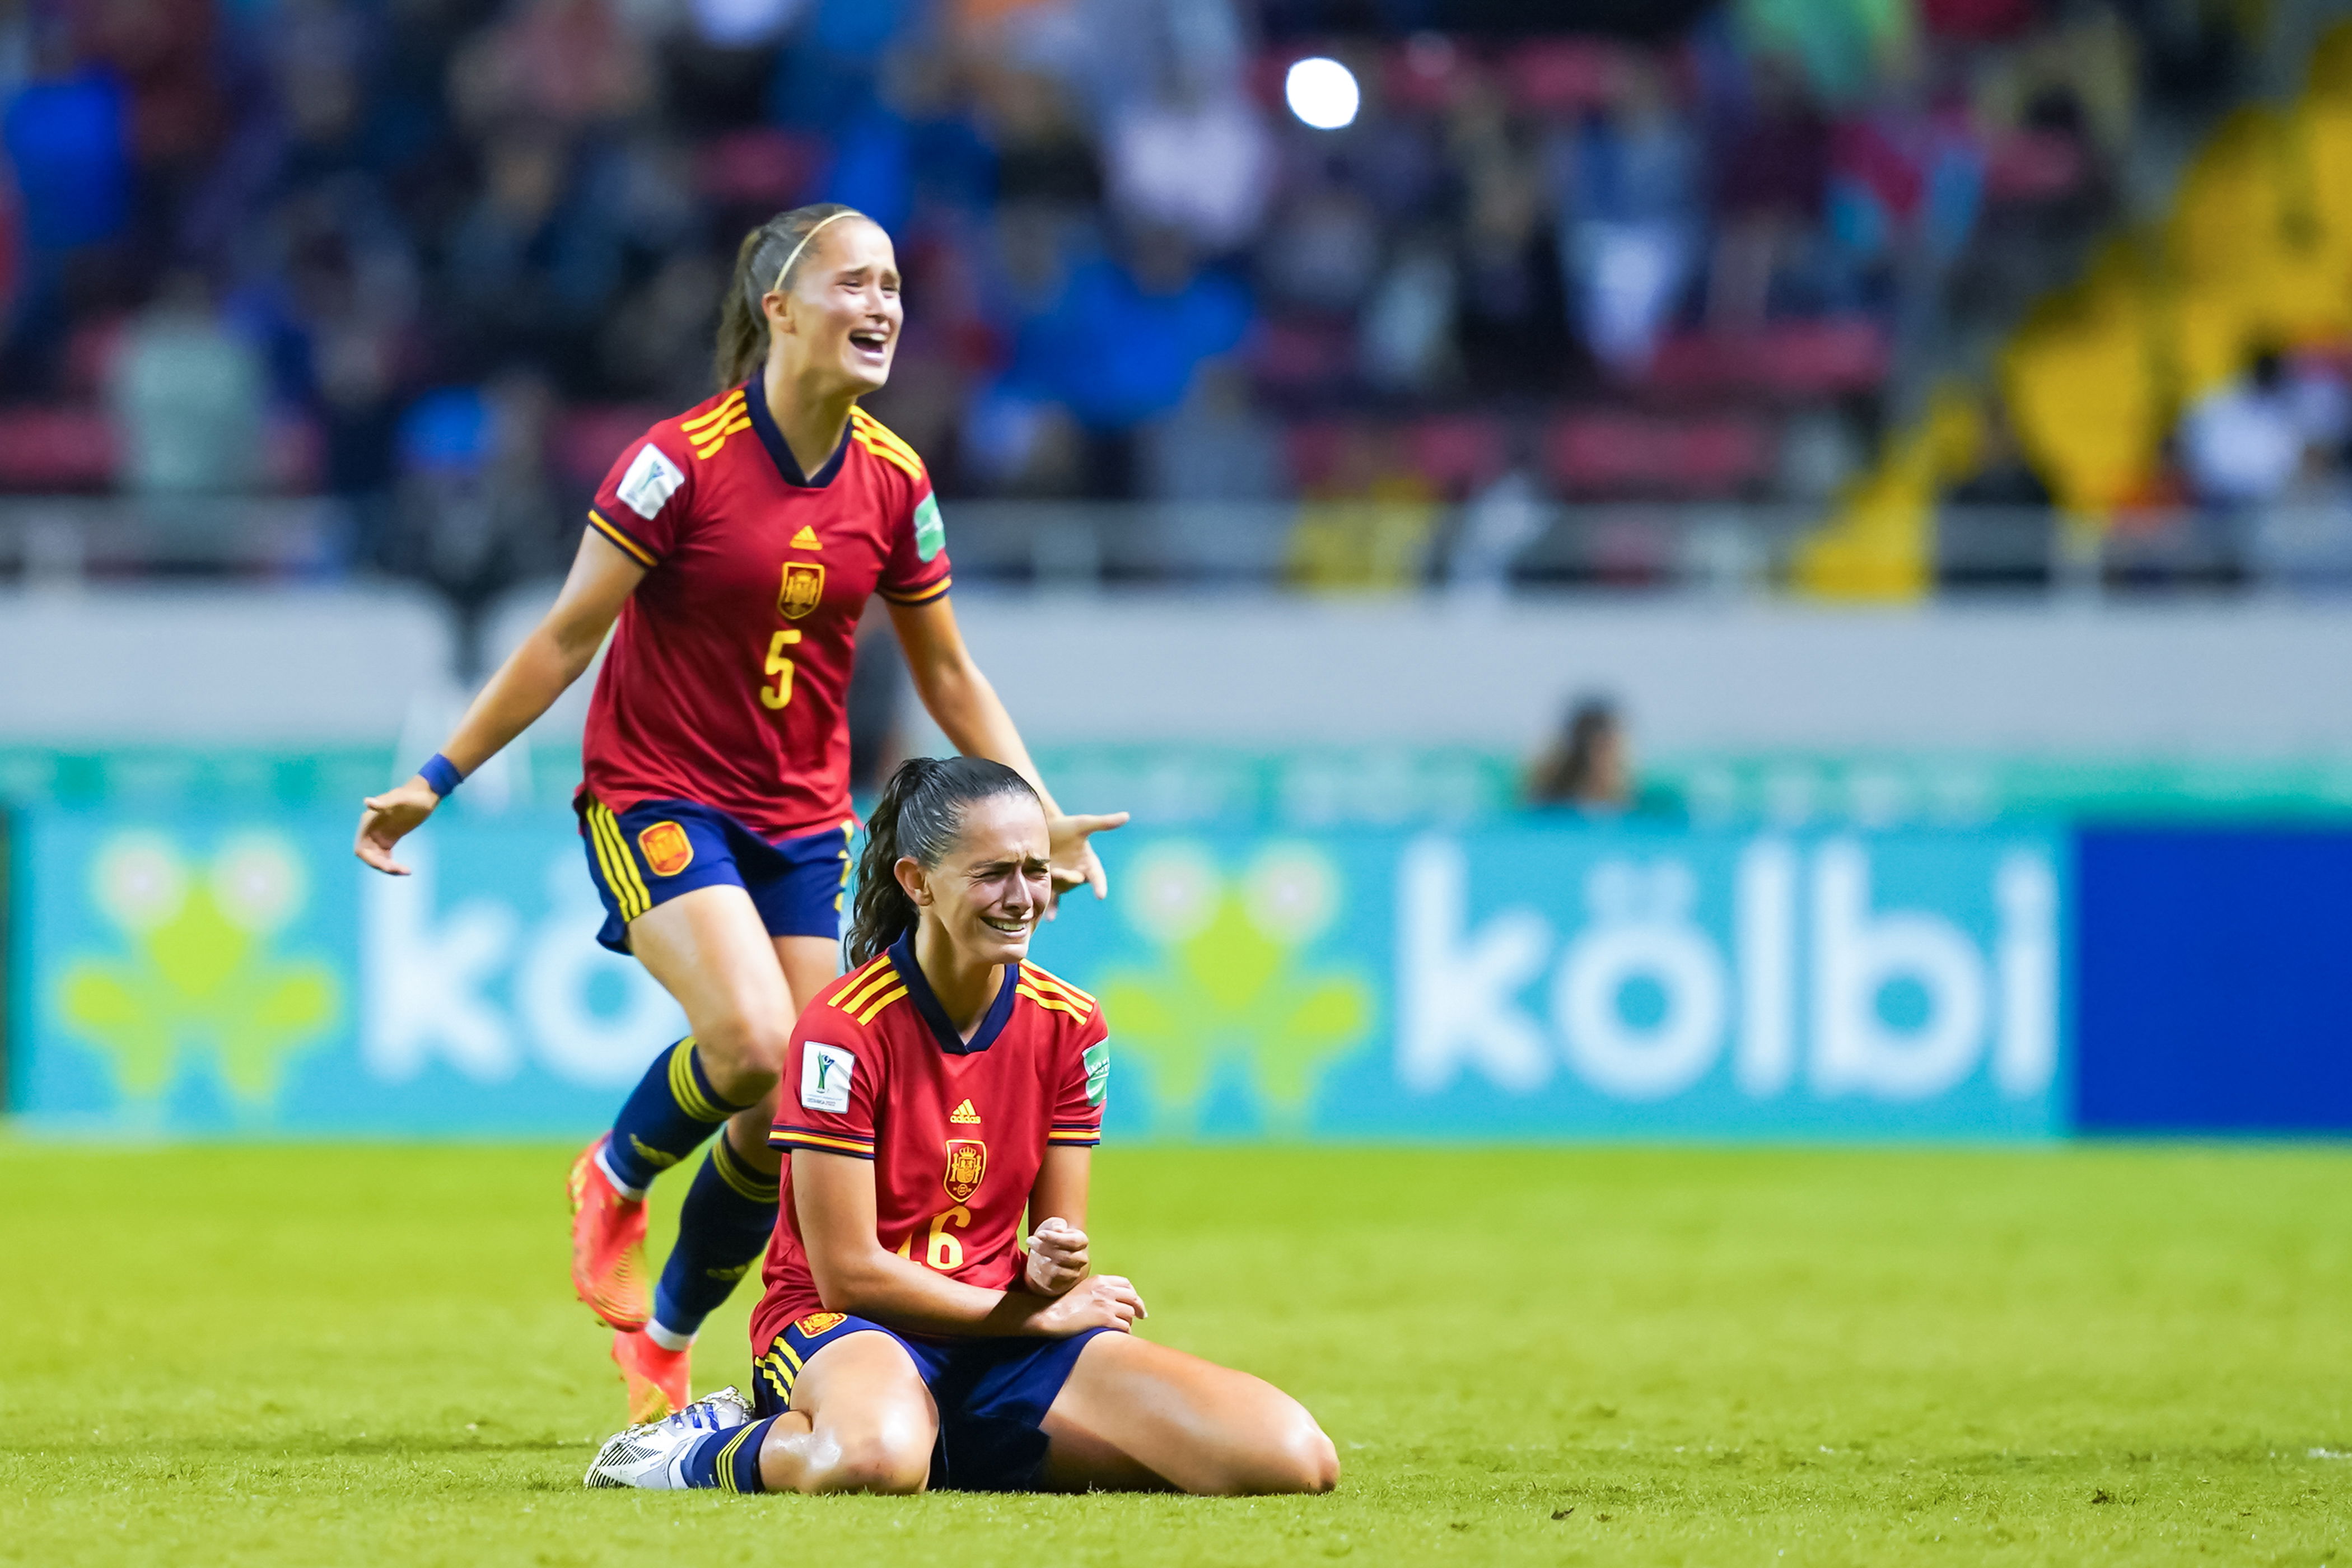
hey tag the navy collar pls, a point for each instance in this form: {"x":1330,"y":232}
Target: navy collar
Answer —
{"x":755,"y":402}
{"x":918,"y":991}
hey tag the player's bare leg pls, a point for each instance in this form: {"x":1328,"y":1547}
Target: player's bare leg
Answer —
{"x":732,"y":1207}
{"x":861,"y":1421}
{"x":710,"y":951}
{"x":1135,"y":1416}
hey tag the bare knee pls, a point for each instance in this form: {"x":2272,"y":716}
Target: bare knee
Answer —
{"x":1302,"y":1459}
{"x":742,"y":1054}
{"x":881,"y":1462}
{"x":1292,"y":1455}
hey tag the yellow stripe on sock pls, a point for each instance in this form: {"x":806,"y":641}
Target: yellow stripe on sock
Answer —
{"x":888,"y":997}
{"x":745,"y":1181}
{"x":687,"y":1089}
{"x":727,"y":1459}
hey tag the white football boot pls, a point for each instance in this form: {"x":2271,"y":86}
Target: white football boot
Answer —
{"x":650,"y":1455}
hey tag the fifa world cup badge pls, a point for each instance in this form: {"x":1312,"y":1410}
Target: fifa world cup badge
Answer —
{"x":804,"y":589}
{"x":967,"y":1168}
{"x":667,"y":847}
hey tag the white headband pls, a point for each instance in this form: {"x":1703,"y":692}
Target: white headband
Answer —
{"x":785,"y":270}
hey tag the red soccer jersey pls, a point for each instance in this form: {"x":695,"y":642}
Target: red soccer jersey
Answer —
{"x":727,"y":677}
{"x":957,"y":1131}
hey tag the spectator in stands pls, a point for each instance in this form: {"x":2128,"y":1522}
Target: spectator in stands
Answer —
{"x":1998,"y":529}
{"x":1771,"y":176}
{"x":67,"y":141}
{"x":1215,"y":447}
{"x":1120,"y":344}
{"x":1512,"y":321}
{"x":1196,"y":161}
{"x":1405,"y":342}
{"x":1588,"y":766}
{"x":2243,"y":443}
{"x":477,"y":510}
{"x":1366,"y":525}
{"x":1499,"y":525}
{"x":187,"y":397}
{"x":1626,"y":186}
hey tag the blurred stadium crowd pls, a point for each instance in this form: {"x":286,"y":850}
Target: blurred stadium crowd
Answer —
{"x":440,"y":258}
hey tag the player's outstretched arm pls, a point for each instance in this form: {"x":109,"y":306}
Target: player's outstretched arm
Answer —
{"x":832,"y":1198}
{"x":548,"y":660}
{"x":969,"y":712}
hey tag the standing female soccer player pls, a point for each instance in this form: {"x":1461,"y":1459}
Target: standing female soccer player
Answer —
{"x":930,"y":1096}
{"x":737,"y":545}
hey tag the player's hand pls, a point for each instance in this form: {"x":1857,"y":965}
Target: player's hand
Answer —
{"x":388,"y":819}
{"x":1104,"y":1301}
{"x":1058,"y":1257}
{"x":1074,"y":857}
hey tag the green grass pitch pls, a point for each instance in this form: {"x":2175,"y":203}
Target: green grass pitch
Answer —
{"x":308,"y":1355}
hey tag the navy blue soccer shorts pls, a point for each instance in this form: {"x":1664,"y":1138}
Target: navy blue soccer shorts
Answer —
{"x":993,"y":1394}
{"x":653,"y":851}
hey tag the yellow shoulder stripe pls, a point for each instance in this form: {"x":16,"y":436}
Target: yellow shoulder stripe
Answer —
{"x":879,"y":431}
{"x":731,"y":404}
{"x":1058,"y":1003}
{"x":913,"y":467}
{"x":851,"y":980}
{"x":881,"y":1002}
{"x":1036,"y":977}
{"x":852,"y":998}
{"x":709,"y":441}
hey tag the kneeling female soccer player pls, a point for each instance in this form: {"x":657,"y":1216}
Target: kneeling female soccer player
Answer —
{"x":906,"y":1339}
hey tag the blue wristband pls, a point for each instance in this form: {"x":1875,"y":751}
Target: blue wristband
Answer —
{"x":441,"y":773}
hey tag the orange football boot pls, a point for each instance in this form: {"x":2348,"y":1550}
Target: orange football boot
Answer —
{"x":608,"y":1245}
{"x":656,"y":1377}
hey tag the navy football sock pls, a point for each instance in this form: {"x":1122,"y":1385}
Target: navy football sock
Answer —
{"x":721,"y":1230}
{"x":665,"y":1118}
{"x":728,"y":1461}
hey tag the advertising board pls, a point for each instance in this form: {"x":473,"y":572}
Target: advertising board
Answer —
{"x":186,"y":976}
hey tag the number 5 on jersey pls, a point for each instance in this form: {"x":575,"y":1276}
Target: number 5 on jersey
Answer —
{"x":781,"y":667}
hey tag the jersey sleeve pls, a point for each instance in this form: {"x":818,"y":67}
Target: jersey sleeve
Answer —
{"x":826,"y":1098}
{"x":917,"y":570}
{"x":642,"y":505}
{"x":1085,"y":1085}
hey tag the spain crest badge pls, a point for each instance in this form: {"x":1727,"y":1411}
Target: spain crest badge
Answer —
{"x":803,"y":591}
{"x":817,"y":1323}
{"x":668,"y":849}
{"x":967,"y":1168}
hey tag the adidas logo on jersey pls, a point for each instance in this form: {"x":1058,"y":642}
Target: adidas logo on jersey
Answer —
{"x":963,"y":1112}
{"x":806,"y":538}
